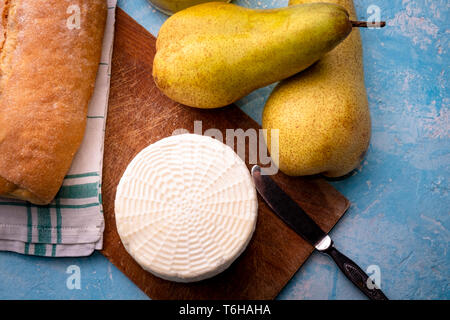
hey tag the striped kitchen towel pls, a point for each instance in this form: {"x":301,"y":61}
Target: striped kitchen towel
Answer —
{"x":72,"y":225}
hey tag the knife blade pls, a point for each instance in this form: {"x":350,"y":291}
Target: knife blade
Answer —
{"x":298,"y":220}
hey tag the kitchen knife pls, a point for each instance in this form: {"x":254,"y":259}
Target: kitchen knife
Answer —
{"x":298,"y":220}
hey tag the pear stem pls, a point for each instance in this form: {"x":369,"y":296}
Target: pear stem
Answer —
{"x":365,"y":24}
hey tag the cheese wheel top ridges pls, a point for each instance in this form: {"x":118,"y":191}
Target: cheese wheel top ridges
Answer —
{"x":186,"y":207}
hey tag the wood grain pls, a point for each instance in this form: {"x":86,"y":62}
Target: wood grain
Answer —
{"x":139,"y":114}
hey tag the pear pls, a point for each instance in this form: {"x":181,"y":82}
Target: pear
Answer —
{"x":322,"y":113}
{"x":212,"y":54}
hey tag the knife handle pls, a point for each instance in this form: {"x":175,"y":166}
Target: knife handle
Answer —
{"x":355,"y":274}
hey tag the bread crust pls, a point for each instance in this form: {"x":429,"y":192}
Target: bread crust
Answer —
{"x":47,"y":77}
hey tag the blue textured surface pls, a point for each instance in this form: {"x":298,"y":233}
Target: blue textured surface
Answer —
{"x":399,"y":218}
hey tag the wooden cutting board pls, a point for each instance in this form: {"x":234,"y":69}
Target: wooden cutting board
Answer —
{"x":139,"y":114}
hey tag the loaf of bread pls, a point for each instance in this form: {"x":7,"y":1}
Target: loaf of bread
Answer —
{"x":49,"y":55}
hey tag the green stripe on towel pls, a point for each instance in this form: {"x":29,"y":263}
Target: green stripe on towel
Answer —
{"x":62,"y":206}
{"x":40,"y":249}
{"x":44,"y":231}
{"x":58,"y":221}
{"x":29,"y":229}
{"x":82,"y":175}
{"x":45,"y":224}
{"x":79,"y":191}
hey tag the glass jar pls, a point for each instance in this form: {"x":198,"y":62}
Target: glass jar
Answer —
{"x":169,"y":7}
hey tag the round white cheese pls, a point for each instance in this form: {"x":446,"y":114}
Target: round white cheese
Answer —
{"x":186,"y":207}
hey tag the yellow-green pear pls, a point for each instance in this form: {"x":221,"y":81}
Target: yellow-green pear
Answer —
{"x":322,"y":113}
{"x":212,"y":54}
